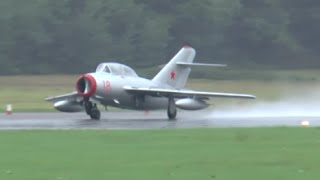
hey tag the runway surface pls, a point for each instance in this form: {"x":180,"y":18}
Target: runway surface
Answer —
{"x":142,"y":120}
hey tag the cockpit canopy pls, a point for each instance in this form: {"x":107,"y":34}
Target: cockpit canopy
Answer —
{"x":116,"y":69}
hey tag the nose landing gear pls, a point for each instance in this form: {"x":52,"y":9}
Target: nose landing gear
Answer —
{"x":92,"y":110}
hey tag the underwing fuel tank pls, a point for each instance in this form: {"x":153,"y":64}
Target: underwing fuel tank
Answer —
{"x":191,"y":104}
{"x":68,"y":106}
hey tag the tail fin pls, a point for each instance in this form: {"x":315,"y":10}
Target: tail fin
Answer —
{"x":174,"y":74}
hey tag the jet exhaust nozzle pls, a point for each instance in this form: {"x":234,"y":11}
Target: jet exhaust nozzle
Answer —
{"x":86,"y":85}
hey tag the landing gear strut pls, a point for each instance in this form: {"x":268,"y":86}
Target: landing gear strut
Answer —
{"x":172,"y":109}
{"x":92,"y":110}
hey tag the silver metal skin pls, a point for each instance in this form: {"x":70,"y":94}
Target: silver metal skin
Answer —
{"x":118,"y":85}
{"x":68,"y":106}
{"x":191,"y":104}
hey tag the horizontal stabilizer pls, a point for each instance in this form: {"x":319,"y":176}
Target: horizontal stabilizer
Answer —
{"x":200,"y":64}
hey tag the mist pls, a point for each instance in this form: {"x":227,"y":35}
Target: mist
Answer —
{"x":305,"y":104}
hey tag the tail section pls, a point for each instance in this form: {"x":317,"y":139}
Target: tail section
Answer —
{"x":174,"y":74}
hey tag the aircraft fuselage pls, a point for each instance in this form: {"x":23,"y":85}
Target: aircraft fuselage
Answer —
{"x":110,"y":92}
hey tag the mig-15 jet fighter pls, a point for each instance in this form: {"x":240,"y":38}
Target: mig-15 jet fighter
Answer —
{"x":117,"y":85}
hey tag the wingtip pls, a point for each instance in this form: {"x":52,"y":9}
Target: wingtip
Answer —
{"x":48,"y":98}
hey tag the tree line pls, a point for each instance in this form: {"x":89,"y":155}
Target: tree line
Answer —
{"x":72,"y":36}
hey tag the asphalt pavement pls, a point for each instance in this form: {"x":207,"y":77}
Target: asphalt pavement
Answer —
{"x":148,"y":120}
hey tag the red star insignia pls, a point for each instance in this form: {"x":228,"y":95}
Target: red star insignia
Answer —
{"x":172,"y":75}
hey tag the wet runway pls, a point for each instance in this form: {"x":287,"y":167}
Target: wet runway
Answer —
{"x":142,"y":120}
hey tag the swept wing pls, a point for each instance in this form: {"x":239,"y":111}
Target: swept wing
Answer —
{"x":183,"y":93}
{"x":70,"y":97}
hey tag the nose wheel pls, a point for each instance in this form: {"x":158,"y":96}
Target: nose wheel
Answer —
{"x":95,"y":113}
{"x":172,"y":109}
{"x":92,"y":110}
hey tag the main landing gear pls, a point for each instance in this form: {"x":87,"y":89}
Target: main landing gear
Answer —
{"x":92,"y":110}
{"x":172,"y":109}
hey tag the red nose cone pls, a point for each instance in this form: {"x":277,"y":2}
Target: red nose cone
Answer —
{"x":86,"y":85}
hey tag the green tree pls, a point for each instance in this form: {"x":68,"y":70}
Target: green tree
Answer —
{"x":73,"y":36}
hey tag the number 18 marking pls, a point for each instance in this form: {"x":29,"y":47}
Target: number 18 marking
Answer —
{"x":107,"y":86}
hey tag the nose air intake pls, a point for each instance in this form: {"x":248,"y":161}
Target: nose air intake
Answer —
{"x":86,"y":85}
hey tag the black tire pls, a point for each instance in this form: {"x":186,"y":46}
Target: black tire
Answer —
{"x":88,"y":107}
{"x":172,"y":109}
{"x":95,"y":114}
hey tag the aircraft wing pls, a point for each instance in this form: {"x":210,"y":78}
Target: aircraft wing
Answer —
{"x":184,"y":93}
{"x":71,"y":97}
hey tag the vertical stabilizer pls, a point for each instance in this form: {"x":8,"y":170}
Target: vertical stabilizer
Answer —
{"x":174,"y":74}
